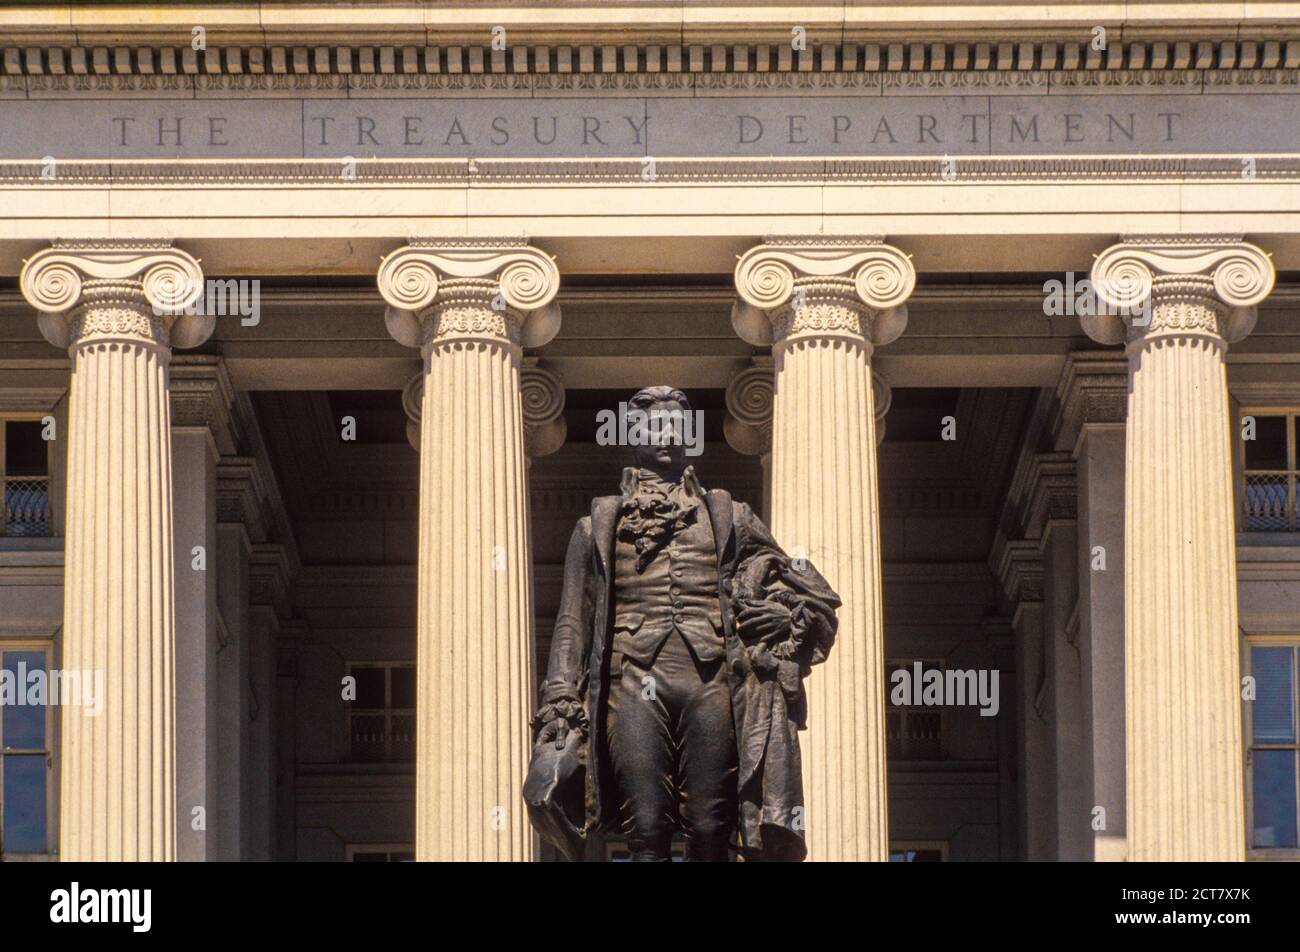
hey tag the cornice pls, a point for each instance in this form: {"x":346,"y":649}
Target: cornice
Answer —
{"x":368,"y":34}
{"x":1256,"y":395}
{"x":1052,"y":496}
{"x":30,"y":398}
{"x":241,"y":495}
{"x":1018,"y":566}
{"x":272,"y":570}
{"x":466,"y":173}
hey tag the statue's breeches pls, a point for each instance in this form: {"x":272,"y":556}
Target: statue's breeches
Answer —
{"x":673,"y":751}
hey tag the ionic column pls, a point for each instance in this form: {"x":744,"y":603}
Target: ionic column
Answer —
{"x":825,"y":305}
{"x":116,"y":307}
{"x":1179,"y":302}
{"x":471,"y":307}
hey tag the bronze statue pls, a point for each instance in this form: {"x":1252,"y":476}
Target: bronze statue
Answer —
{"x":674,"y":691}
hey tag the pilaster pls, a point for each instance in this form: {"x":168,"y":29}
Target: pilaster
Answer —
{"x":1019,"y":566}
{"x":1092,"y":405}
{"x":201,"y":429}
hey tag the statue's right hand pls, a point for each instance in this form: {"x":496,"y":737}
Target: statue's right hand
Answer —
{"x":557,"y":718}
{"x":556,"y":729}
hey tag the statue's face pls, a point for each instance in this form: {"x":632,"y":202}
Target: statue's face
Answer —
{"x":664,"y":451}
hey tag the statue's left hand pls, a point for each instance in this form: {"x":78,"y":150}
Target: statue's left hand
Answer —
{"x":761,"y":620}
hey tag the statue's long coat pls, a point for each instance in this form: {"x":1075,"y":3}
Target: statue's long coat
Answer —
{"x":772,"y":799}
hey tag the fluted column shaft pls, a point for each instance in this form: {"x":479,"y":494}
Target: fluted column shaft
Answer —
{"x":475,"y":641}
{"x":1182,"y":674}
{"x":829,"y":305}
{"x":112,"y":306}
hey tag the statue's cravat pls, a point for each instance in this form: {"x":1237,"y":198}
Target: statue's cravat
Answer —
{"x":654,"y":510}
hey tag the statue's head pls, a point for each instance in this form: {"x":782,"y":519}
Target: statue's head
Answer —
{"x":663,"y":448}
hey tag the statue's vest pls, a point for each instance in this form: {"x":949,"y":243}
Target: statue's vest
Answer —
{"x":677,"y":592}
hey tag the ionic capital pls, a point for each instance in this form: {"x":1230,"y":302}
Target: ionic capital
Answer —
{"x":413,"y":404}
{"x":116,"y":291}
{"x":499,"y":291}
{"x":822,"y":287}
{"x":882,"y":395}
{"x":1178,"y":285}
{"x":542,"y":394}
{"x":750,"y":394}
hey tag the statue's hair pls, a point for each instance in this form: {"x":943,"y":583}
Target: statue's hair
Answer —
{"x":648,"y":396}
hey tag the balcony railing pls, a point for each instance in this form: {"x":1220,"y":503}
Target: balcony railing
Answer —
{"x":382,"y":736}
{"x":914,"y":733}
{"x":1269,"y":502}
{"x":27,"y":506}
